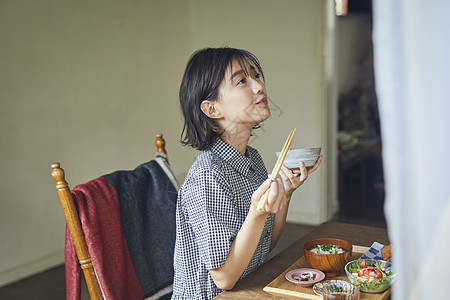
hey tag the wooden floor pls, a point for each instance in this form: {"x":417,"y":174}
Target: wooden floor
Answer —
{"x":49,"y":285}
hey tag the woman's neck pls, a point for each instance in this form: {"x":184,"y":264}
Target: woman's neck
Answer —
{"x":238,"y":138}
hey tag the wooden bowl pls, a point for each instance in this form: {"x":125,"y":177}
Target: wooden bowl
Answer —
{"x":330,"y":264}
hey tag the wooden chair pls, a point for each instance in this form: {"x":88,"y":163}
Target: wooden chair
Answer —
{"x":75,"y":227}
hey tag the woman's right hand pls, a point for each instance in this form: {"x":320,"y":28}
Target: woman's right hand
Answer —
{"x":276,"y":199}
{"x":247,"y":239}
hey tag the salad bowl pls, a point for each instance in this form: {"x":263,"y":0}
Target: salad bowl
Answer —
{"x":370,"y":275}
{"x":331,"y":264}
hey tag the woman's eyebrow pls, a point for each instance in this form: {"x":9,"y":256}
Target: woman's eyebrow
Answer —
{"x":238,"y":72}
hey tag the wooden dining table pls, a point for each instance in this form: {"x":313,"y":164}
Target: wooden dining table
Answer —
{"x":252,"y":286}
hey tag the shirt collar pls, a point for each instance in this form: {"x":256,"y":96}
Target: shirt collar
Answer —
{"x":233,"y":157}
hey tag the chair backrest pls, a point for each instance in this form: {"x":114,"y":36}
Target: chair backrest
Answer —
{"x":75,"y":227}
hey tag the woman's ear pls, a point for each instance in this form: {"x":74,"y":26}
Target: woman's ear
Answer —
{"x":211,"y":109}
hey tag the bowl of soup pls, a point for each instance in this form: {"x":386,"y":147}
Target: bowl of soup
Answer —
{"x":328,"y":255}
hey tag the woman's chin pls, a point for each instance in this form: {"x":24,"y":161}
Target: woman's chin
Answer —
{"x":264,"y":116}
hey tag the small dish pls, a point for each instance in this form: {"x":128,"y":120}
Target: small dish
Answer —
{"x":294,"y":274}
{"x":318,"y":287}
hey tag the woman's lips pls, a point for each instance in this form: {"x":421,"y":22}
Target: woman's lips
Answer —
{"x":262,"y":101}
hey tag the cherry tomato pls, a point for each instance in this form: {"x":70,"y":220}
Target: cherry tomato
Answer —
{"x":370,"y":272}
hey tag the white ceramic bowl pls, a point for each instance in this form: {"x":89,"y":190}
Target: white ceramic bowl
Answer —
{"x":308,"y":155}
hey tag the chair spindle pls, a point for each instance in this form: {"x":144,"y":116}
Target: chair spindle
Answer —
{"x":76,"y":232}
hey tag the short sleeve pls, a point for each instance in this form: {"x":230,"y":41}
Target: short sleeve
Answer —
{"x":207,"y":204}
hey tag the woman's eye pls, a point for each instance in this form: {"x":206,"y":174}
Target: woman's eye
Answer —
{"x":257,"y":76}
{"x":242,"y":81}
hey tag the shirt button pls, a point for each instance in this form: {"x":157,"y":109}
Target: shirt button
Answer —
{"x":267,"y":233}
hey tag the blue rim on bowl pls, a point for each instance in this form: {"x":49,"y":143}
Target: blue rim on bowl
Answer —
{"x":317,"y":288}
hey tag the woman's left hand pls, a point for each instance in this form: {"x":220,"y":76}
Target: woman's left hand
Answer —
{"x":292,"y":181}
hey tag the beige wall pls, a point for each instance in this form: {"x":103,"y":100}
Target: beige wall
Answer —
{"x":89,"y":84}
{"x":287,"y":37}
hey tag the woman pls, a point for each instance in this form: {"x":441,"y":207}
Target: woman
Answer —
{"x":221,"y":236}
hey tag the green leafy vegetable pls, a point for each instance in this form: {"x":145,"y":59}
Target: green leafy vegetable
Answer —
{"x":378,"y":285}
{"x":326,"y":247}
{"x":353,"y":267}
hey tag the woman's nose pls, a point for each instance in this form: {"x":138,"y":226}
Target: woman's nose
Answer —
{"x":257,"y":86}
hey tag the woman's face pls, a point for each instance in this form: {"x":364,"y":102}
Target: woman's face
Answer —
{"x":242,"y":98}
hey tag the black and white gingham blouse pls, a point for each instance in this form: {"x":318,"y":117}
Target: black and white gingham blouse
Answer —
{"x":212,"y":205}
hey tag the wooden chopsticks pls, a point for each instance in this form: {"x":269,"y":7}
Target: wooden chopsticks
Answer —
{"x":276,"y":169}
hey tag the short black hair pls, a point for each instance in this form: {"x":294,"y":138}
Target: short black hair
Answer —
{"x":204,"y":73}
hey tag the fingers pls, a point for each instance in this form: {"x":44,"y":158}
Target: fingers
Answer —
{"x":282,"y":188}
{"x":261,"y":195}
{"x":262,"y":188}
{"x":287,"y":175}
{"x":303,"y":172}
{"x":273,"y":194}
{"x":277,"y":197}
{"x":310,"y":169}
{"x":316,"y":165}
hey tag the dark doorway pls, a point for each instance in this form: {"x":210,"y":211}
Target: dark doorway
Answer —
{"x":360,"y":170}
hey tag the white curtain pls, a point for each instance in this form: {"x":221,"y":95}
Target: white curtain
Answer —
{"x":412,"y":77}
